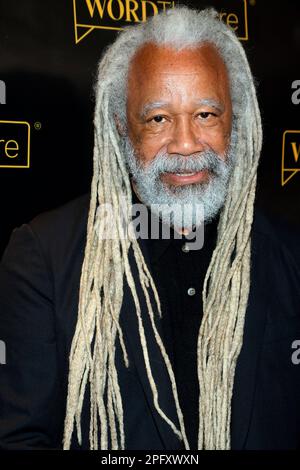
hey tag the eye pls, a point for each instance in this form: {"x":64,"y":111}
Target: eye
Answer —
{"x":158,"y":119}
{"x":205,"y":114}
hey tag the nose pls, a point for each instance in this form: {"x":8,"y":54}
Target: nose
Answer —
{"x":185,"y":139}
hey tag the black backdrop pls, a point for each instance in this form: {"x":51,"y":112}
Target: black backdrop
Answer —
{"x":47,"y":67}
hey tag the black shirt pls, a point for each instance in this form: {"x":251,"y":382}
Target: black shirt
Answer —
{"x":179,"y":275}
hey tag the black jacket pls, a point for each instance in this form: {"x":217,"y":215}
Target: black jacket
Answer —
{"x":39,"y":287}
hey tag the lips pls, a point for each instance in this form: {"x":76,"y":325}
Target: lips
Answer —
{"x":181,"y":173}
{"x":181,"y":178}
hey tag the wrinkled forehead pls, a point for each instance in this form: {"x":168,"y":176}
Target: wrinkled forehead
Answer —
{"x":154,"y":65}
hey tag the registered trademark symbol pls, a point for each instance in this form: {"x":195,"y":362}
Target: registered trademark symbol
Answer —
{"x":37,"y":126}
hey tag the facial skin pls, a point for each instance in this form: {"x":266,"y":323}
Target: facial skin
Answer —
{"x":178,"y":102}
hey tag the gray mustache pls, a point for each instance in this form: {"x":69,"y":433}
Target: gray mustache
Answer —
{"x":166,"y":163}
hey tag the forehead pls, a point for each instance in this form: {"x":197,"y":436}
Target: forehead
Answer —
{"x":154,"y":67}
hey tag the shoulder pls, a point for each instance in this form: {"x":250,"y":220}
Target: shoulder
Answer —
{"x":60,"y":233}
{"x":278,"y":234}
{"x":276,"y":260}
{"x":67,"y":217}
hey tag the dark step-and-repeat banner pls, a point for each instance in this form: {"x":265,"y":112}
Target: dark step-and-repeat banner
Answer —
{"x":49,"y":51}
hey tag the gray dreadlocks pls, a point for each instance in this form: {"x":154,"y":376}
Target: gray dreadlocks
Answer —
{"x":106,"y":261}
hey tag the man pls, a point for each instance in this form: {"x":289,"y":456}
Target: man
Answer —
{"x":126,"y":343}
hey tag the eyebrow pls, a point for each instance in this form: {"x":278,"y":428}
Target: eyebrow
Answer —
{"x":212,"y":103}
{"x":154,"y":105}
{"x":160,"y":104}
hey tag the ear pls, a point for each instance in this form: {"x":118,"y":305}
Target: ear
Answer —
{"x":120,"y":127}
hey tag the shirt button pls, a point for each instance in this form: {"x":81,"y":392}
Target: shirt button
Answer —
{"x":191,"y":291}
{"x":185,"y":248}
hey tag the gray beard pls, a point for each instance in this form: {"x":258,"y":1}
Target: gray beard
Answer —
{"x":186,"y":206}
